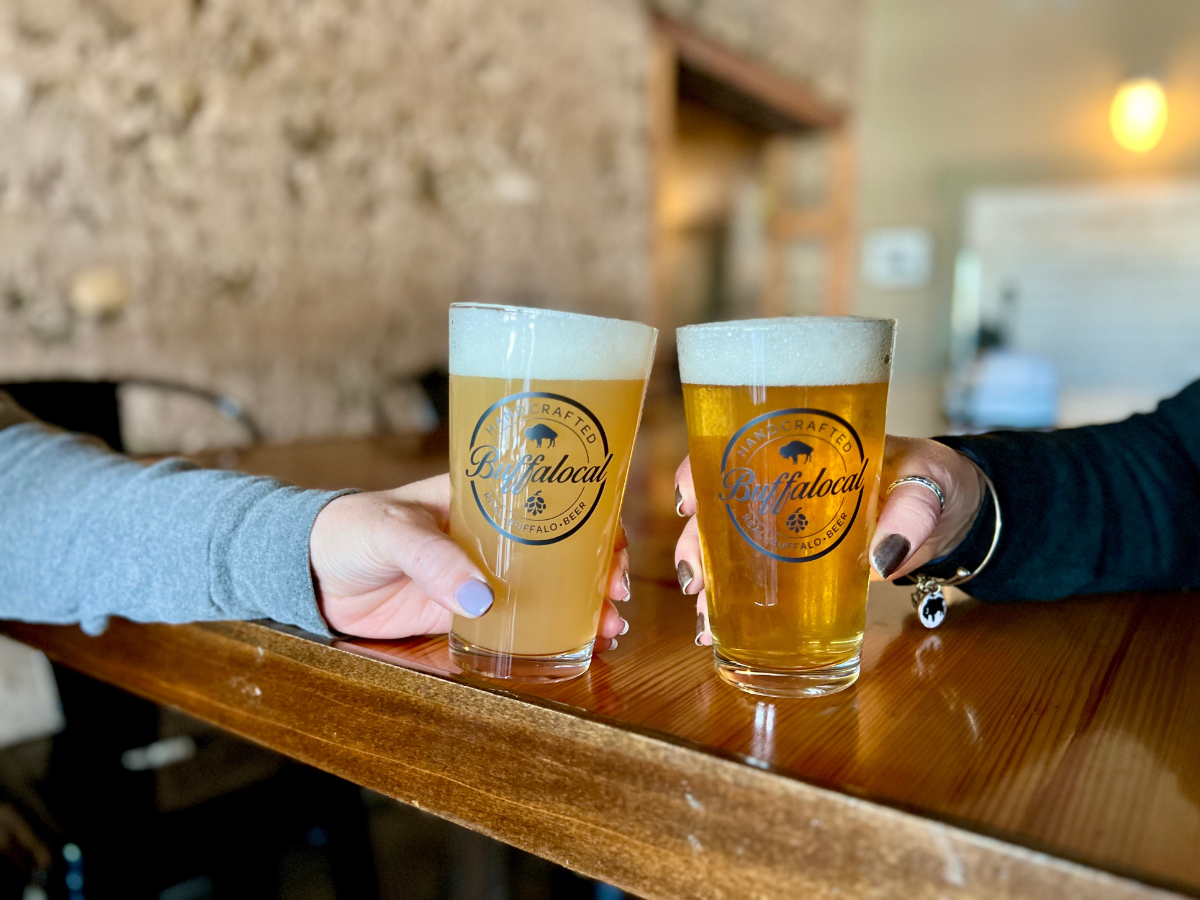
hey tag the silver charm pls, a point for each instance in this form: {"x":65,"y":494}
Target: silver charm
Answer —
{"x":928,"y":599}
{"x":929,"y":602}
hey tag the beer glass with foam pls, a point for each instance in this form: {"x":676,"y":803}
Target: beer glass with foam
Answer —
{"x":785,"y":431}
{"x":544,"y":407}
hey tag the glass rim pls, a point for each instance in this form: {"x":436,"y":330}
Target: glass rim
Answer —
{"x":772,"y":323}
{"x":539,"y":311}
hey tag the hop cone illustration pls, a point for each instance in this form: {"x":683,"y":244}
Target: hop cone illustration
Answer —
{"x":535,"y":505}
{"x":797,"y":522}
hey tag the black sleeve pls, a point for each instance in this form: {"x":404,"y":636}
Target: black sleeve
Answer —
{"x":1089,"y":510}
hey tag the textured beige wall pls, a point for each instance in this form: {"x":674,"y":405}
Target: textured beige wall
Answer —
{"x":280,"y":198}
{"x":296,"y":191}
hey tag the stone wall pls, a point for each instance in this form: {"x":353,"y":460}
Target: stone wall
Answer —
{"x":280,"y":198}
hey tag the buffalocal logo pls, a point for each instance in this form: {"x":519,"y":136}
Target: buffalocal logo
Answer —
{"x":538,"y":464}
{"x":792,"y":482}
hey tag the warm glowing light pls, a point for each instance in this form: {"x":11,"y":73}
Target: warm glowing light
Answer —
{"x":1139,"y":114}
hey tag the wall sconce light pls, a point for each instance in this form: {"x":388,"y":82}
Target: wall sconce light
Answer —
{"x":1139,"y":114}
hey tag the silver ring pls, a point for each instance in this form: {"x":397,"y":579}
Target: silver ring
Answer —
{"x":924,"y":482}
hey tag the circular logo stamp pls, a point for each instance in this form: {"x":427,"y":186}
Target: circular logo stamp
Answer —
{"x":537,"y":465}
{"x":792,"y":482}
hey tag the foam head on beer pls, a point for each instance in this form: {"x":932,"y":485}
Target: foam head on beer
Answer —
{"x":805,"y":350}
{"x":492,"y":341}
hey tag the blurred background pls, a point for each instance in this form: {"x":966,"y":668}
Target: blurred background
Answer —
{"x":276,"y":201}
{"x":242,"y":221}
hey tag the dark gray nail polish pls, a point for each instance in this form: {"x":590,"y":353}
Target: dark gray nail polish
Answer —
{"x":474,"y":597}
{"x":678,"y":502}
{"x":625,"y":584}
{"x":685,"y":573}
{"x":699,"y":628}
{"x":890,"y":554}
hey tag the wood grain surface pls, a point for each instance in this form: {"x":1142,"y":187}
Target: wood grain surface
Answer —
{"x":1021,"y":750}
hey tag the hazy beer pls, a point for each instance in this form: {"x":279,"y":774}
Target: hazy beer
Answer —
{"x":544,"y":407}
{"x":785,"y":431}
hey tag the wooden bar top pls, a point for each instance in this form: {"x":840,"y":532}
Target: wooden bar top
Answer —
{"x":1040,"y":750}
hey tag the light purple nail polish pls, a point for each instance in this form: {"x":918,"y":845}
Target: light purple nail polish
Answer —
{"x":474,"y":597}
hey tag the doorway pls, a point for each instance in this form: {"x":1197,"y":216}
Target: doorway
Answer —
{"x":753,"y":189}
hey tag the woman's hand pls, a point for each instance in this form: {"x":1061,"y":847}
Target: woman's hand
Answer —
{"x":385,"y":567}
{"x":911,"y":529}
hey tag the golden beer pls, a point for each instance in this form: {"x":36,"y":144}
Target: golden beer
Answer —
{"x":544,"y":407}
{"x":786,"y":422}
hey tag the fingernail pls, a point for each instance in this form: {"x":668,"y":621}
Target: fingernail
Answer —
{"x":625,"y":584}
{"x":699,"y":628}
{"x":474,"y":597}
{"x":678,"y":502}
{"x":612,"y":645}
{"x":891,"y":552}
{"x":624,"y":627}
{"x":685,"y":573}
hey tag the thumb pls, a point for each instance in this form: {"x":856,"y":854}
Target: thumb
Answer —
{"x":909,"y":517}
{"x":913,"y":528}
{"x":444,"y":572}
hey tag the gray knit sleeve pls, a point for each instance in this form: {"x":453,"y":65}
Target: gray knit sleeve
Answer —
{"x":86,"y":534}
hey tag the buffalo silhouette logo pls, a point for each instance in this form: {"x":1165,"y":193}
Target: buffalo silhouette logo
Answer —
{"x":793,"y":450}
{"x":932,"y":609}
{"x":541,"y":433}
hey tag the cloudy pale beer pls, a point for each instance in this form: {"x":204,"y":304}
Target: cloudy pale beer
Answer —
{"x":544,"y":407}
{"x":786,"y":431}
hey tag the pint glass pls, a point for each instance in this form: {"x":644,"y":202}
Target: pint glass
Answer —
{"x":544,"y":407}
{"x":785,"y":430}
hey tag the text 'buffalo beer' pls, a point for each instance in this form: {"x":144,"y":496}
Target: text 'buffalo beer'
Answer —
{"x":785,"y":431}
{"x":544,"y":407}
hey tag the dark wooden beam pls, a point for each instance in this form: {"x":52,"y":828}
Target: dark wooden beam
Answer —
{"x":761,"y":86}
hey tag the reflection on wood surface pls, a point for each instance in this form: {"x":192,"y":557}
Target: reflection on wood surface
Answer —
{"x":1073,"y":725}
